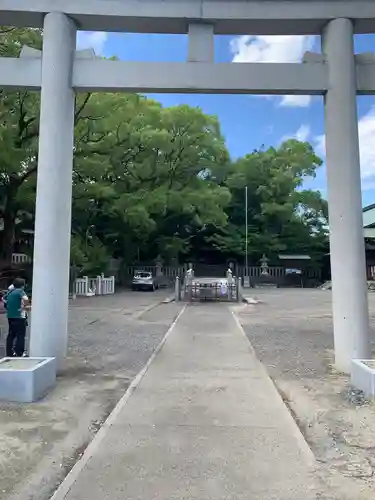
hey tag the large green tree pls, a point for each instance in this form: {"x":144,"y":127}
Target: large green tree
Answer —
{"x":141,"y":175}
{"x":18,"y":134}
{"x":19,"y":114}
{"x":152,"y":181}
{"x":282,"y":215}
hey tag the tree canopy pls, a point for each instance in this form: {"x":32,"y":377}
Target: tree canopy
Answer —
{"x":157,"y":182}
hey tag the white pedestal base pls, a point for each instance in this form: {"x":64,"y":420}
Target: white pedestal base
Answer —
{"x":363,"y":376}
{"x":25,"y":380}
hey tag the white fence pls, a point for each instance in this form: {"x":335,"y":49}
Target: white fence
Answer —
{"x":20,"y":258}
{"x":94,"y":286}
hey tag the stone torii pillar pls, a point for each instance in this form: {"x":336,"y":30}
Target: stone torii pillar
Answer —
{"x":349,"y":283}
{"x":49,"y":319}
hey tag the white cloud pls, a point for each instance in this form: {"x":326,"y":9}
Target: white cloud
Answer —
{"x":92,"y":40}
{"x":295,"y":101}
{"x":366,"y":129}
{"x":274,"y":49}
{"x":302,"y":134}
{"x":270,"y":49}
{"x":319,"y":144}
{"x":366,"y":132}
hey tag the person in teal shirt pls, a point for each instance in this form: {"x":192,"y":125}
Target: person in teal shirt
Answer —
{"x":16,"y":305}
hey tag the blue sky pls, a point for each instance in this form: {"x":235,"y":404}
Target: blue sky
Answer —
{"x":247,"y":122}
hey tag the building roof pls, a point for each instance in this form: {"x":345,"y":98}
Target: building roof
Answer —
{"x":369,"y":216}
{"x":368,"y":208}
{"x":294,"y":257}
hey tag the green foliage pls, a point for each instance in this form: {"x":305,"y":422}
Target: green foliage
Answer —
{"x":282,"y":217}
{"x":141,"y":170}
{"x":153,"y":181}
{"x":18,"y":135}
{"x":78,"y":257}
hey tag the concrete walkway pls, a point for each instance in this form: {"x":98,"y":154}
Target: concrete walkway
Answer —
{"x":204,"y":423}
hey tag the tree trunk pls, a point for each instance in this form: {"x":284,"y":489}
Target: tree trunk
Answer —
{"x":7,"y":238}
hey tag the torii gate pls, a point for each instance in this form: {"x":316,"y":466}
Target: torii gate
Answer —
{"x":337,"y":74}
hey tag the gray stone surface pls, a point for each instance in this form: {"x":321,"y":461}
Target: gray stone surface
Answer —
{"x":205,"y":422}
{"x":221,"y":399}
{"x":110,"y":340}
{"x":25,"y":380}
{"x":194,"y":463}
{"x":362,"y":377}
{"x":291,"y":332}
{"x":281,"y":17}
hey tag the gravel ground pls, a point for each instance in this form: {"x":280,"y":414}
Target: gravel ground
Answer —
{"x":110,"y":340}
{"x":291,"y":332}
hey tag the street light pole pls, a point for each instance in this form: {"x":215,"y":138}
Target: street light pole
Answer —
{"x":246,"y":242}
